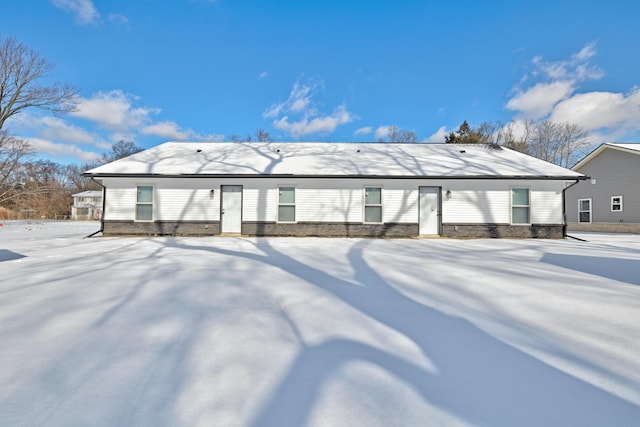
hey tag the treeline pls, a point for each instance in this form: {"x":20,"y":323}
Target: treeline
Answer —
{"x":562,"y":144}
{"x":34,"y":188}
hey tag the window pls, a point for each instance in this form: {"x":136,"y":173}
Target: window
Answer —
{"x":82,"y":211}
{"x":144,"y":203}
{"x":520,"y":206}
{"x":584,"y":210}
{"x":373,"y":204}
{"x":286,"y":204}
{"x":616,"y":203}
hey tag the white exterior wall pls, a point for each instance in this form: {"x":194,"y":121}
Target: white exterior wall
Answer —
{"x":489,"y":201}
{"x":335,"y":200}
{"x":183,"y":199}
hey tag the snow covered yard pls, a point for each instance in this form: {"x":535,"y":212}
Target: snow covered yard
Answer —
{"x":316,"y":332}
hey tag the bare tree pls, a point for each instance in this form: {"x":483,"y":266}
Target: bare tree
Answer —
{"x":516,"y":135}
{"x":13,"y":152}
{"x":573,"y":144}
{"x":76,"y":179}
{"x":120,"y":150}
{"x":558,"y":143}
{"x":21,"y":69}
{"x":396,"y":134}
{"x":260,"y":135}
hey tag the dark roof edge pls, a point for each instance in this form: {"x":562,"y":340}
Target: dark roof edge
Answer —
{"x":288,"y":176}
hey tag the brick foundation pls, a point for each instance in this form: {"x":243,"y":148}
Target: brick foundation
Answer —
{"x":476,"y":231}
{"x":161,"y":228}
{"x":605,"y":227}
{"x":331,"y":229}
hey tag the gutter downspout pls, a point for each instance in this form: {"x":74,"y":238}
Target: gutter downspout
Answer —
{"x":564,"y":206}
{"x":104,"y":197}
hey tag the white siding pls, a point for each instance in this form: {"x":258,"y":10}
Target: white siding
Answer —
{"x":487,"y":201}
{"x":476,"y":202}
{"x":259,"y":201}
{"x":174,"y":199}
{"x":400,"y":202}
{"x":546,"y":202}
{"x":335,"y":200}
{"x":328,"y":204}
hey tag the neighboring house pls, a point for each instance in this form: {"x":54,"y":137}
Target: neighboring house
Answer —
{"x":610,"y":199}
{"x":333,"y":189}
{"x":87,"y":205}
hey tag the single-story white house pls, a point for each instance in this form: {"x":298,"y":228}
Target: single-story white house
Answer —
{"x":87,"y":205}
{"x":333,"y":189}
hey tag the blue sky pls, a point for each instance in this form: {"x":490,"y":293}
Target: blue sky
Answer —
{"x":152,"y":71}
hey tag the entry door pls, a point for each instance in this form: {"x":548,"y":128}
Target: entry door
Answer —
{"x":231,"y":209}
{"x":430,"y":211}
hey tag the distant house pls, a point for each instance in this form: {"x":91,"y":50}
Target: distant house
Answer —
{"x":87,"y":205}
{"x":610,"y":199}
{"x":333,"y":189}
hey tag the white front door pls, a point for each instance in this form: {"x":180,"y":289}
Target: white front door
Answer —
{"x":231,"y":209}
{"x":430,"y":211}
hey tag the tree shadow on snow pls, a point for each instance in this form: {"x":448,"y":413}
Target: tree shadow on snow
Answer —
{"x":7,"y":255}
{"x":477,"y":378}
{"x":620,"y":269}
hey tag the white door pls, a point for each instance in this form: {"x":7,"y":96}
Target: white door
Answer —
{"x":231,"y":209}
{"x":430,"y":211}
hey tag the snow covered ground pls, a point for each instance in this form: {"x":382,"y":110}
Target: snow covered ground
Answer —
{"x":316,"y":332}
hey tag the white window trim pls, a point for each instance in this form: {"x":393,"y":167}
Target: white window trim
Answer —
{"x":278,"y":204}
{"x":590,"y":210}
{"x":519,"y":206}
{"x":153,"y":202}
{"x":364,"y":204}
{"x":621,"y":204}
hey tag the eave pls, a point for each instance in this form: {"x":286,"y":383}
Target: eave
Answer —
{"x":355,"y":176}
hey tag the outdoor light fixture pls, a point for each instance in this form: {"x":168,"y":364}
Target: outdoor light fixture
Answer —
{"x":211,"y":194}
{"x":448,"y":195}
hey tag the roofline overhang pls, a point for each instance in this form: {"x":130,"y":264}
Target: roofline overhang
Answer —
{"x":289,"y":176}
{"x":599,"y":149}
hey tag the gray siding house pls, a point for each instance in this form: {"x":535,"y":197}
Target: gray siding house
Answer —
{"x":610,"y":199}
{"x":333,"y":189}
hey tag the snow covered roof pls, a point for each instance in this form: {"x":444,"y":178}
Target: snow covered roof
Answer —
{"x":89,"y":193}
{"x":325,"y":159}
{"x":632,"y":148}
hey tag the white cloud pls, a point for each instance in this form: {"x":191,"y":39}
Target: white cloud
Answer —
{"x":53,"y":149}
{"x":438,"y":136}
{"x":298,"y":102}
{"x":55,"y":128}
{"x":555,"y":96}
{"x":539,"y":100}
{"x":309,"y":120}
{"x":555,"y":82}
{"x":84,"y":11}
{"x":171,"y":130}
{"x":321,"y":124}
{"x":382,"y":132}
{"x":114,"y":111}
{"x":262,"y":75}
{"x":363,"y":131}
{"x":598,"y":110}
